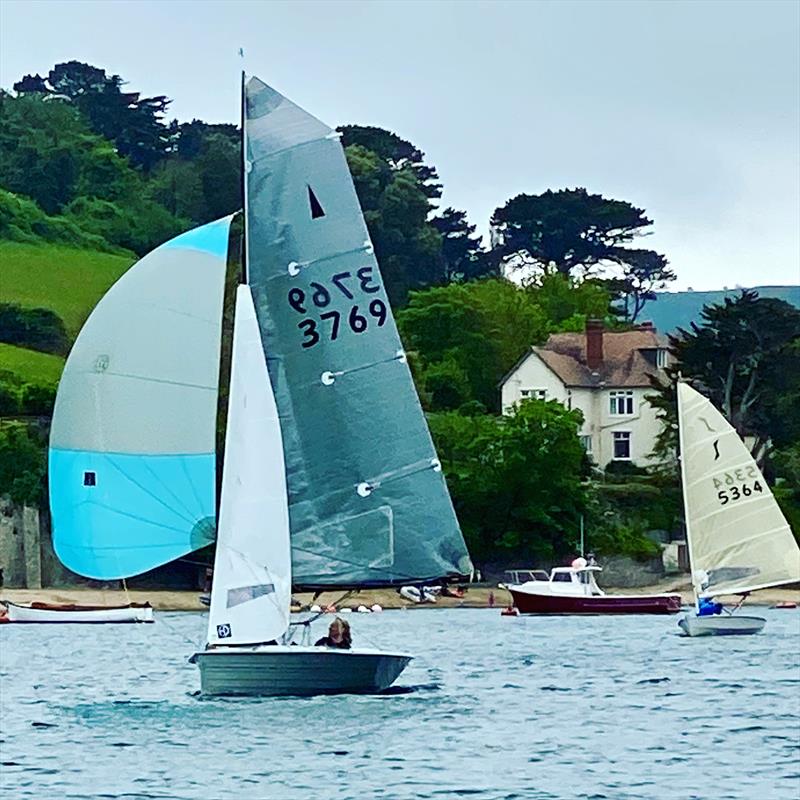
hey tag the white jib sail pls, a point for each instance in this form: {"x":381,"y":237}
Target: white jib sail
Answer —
{"x":737,"y":535}
{"x":251,"y":591}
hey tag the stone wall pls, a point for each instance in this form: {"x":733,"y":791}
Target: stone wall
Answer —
{"x":26,"y":553}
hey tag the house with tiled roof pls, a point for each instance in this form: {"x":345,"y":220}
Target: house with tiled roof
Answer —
{"x":605,"y":374}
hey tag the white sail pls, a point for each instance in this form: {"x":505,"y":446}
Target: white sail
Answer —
{"x":252,"y":572}
{"x":737,"y":535}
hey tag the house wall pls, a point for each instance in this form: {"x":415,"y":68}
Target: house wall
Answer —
{"x":595,"y":405}
{"x":532,"y":373}
{"x":643,"y":426}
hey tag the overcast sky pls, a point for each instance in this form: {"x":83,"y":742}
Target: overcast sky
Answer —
{"x":690,"y":110}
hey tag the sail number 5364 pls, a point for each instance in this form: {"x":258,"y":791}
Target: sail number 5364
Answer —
{"x":735,"y":492}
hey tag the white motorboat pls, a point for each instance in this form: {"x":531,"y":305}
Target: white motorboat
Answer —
{"x":574,"y":590}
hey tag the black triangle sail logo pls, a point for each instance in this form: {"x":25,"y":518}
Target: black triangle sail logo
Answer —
{"x":317,"y":210}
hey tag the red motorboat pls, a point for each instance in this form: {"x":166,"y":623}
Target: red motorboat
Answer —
{"x":573,"y":590}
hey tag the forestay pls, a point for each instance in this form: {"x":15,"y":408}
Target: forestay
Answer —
{"x":368,"y":502}
{"x":252,"y":570}
{"x":738,"y":538}
{"x":132,"y":443}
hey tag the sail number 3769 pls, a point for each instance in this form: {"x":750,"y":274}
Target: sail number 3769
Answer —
{"x":357,"y":318}
{"x":732,"y":487}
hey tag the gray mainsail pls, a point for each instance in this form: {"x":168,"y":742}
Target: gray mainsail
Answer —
{"x":368,"y":504}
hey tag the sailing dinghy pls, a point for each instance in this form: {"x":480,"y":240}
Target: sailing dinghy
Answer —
{"x":737,"y":536}
{"x":330,"y":478}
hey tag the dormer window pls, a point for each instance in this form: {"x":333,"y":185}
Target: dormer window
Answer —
{"x":661,"y":358}
{"x":620,"y":403}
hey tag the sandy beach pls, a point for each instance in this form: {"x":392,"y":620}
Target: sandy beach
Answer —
{"x":475,"y":597}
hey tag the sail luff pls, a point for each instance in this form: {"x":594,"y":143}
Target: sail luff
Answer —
{"x":684,"y":494}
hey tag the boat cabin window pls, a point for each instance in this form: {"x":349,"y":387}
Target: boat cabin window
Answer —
{"x":563,"y":577}
{"x":89,"y":479}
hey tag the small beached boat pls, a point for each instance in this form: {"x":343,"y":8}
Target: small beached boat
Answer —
{"x":574,"y":590}
{"x":70,"y":612}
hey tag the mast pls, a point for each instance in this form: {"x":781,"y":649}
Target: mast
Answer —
{"x":245,"y":249}
{"x":682,"y":460}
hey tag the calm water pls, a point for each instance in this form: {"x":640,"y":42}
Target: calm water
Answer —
{"x":492,"y":707}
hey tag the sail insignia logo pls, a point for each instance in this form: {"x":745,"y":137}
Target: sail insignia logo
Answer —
{"x":716,"y":450}
{"x":224,"y":631}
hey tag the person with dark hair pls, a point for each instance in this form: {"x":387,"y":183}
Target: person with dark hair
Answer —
{"x":338,"y":636}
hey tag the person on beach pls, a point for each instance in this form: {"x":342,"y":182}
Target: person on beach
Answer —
{"x":338,"y":636}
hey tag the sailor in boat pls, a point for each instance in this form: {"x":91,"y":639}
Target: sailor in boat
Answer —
{"x":338,"y":636}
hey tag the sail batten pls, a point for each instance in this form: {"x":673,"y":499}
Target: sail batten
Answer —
{"x":738,"y":538}
{"x":353,"y":428}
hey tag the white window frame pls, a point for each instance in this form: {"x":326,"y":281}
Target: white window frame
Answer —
{"x":586,"y":442}
{"x":662,"y":358}
{"x":621,"y":399}
{"x":621,"y":436}
{"x":533,"y":394}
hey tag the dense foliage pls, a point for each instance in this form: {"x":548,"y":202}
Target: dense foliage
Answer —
{"x":35,"y":328}
{"x":515,"y":480}
{"x":466,"y":336}
{"x":745,"y":356}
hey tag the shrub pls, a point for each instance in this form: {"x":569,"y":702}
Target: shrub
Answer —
{"x":36,"y":328}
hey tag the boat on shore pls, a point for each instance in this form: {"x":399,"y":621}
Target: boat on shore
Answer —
{"x":574,"y":590}
{"x":71,"y":612}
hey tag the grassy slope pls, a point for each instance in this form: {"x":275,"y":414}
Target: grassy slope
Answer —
{"x":68,"y":281}
{"x":28,"y":366}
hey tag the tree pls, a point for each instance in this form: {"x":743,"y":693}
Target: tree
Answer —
{"x":515,"y":480}
{"x":22,"y":463}
{"x":642,"y":272}
{"x":396,"y":207}
{"x":476,"y":331}
{"x":566,"y":302}
{"x":398,"y":154}
{"x":745,"y":357}
{"x":132,"y":122}
{"x":573,"y":232}
{"x":461,"y":251}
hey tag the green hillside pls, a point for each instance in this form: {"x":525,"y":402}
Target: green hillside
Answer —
{"x":68,"y":281}
{"x":28,"y":366}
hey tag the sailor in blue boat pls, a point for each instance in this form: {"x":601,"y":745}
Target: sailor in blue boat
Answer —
{"x":707,"y":607}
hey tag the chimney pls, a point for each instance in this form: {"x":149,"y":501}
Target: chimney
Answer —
{"x":594,"y":343}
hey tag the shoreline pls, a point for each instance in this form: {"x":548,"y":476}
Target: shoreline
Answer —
{"x":388,"y":599}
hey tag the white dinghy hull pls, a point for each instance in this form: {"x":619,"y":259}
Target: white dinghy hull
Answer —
{"x":720,"y":625}
{"x":274,"y":670}
{"x":41,"y":612}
